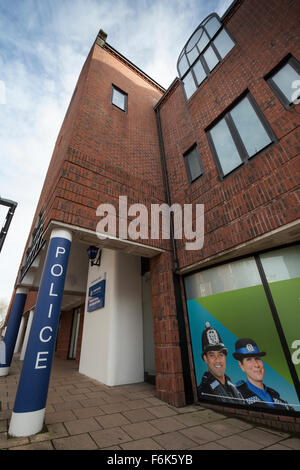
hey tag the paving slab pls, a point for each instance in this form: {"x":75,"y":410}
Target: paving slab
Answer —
{"x":59,"y":417}
{"x":3,"y":425}
{"x":9,"y":442}
{"x":136,"y":416}
{"x":277,"y":447}
{"x":243,"y":425}
{"x":45,"y":445}
{"x":114,"y":408}
{"x":293,"y":443}
{"x":174,"y":441}
{"x":261,"y":437}
{"x":200,"y":434}
{"x":67,"y":405}
{"x":78,"y":442}
{"x":210,"y":446}
{"x":88,"y":412}
{"x":198,"y":417}
{"x":112,"y":421}
{"x":140,"y":430}
{"x":168,"y":424}
{"x":81,"y":426}
{"x":142,"y":444}
{"x":137,"y":404}
{"x":223,"y":428}
{"x":162,"y":411}
{"x":110,"y":437}
{"x":54,"y":431}
{"x":239,"y":443}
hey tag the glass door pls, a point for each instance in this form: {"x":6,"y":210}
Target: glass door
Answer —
{"x":74,"y":333}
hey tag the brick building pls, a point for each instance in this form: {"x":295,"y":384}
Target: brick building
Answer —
{"x":226,"y":135}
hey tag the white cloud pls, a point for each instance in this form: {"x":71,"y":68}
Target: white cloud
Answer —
{"x":44,"y":45}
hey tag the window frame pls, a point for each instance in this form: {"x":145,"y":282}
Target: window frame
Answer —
{"x":114,"y":87}
{"x":237,"y":140}
{"x":188,"y":171}
{"x":200,"y":55}
{"x":274,"y":87}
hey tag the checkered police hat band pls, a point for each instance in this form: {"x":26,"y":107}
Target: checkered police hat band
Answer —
{"x":247,"y":350}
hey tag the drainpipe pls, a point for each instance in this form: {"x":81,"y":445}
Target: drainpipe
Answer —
{"x":186,"y":370}
{"x":165,"y":176}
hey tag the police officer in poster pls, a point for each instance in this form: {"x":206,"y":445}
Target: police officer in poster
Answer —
{"x":215,"y":384}
{"x":255,"y":393}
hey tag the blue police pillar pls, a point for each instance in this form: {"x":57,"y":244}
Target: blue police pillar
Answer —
{"x":30,"y":403}
{"x":12,"y":329}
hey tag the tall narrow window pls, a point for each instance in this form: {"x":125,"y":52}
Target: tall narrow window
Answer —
{"x":193,"y":164}
{"x":285,"y":82}
{"x":119,"y":98}
{"x":239,"y":135}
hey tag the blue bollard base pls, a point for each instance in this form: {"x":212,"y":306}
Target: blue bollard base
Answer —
{"x":4,"y":371}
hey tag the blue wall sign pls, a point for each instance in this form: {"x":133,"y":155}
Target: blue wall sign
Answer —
{"x":96,"y":296}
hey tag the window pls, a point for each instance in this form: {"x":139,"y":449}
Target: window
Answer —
{"x":285,"y":82}
{"x":193,"y":164}
{"x":119,"y":98}
{"x":208,"y":45}
{"x":239,"y":135}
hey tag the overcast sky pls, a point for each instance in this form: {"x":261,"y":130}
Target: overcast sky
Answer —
{"x":43,"y":45}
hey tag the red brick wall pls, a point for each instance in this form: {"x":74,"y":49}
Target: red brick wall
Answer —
{"x":167,"y":354}
{"x":109,"y":152}
{"x":260,"y":196}
{"x":105,"y":153}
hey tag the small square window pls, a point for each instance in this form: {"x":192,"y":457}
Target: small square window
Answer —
{"x":119,"y":98}
{"x":193,"y":164}
{"x":285,"y":82}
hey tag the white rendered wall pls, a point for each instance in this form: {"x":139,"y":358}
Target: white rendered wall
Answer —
{"x":112,"y":340}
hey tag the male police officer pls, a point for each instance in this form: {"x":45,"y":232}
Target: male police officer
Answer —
{"x":215,"y":384}
{"x":255,"y":393}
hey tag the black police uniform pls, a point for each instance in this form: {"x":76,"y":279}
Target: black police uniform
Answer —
{"x":211,"y":389}
{"x":255,"y":401}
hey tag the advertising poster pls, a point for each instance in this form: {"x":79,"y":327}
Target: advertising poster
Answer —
{"x":238,"y":354}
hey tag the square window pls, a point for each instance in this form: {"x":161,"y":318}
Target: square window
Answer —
{"x":239,"y":135}
{"x":193,"y":164}
{"x":119,"y":98}
{"x":285,"y":82}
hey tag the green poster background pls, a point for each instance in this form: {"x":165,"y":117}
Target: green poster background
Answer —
{"x":286,"y":295}
{"x":246,"y":313}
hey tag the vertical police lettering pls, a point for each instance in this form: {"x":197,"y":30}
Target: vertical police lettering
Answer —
{"x":45,"y":334}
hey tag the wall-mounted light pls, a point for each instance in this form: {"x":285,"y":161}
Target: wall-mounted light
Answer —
{"x":94,"y":255}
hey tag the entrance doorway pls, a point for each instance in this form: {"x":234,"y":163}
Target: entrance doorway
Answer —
{"x":74,"y":333}
{"x":149,"y":363}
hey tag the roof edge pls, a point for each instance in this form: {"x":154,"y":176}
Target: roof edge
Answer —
{"x":131,"y":64}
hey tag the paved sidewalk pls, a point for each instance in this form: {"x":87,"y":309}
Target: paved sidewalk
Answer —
{"x":84,"y":414}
